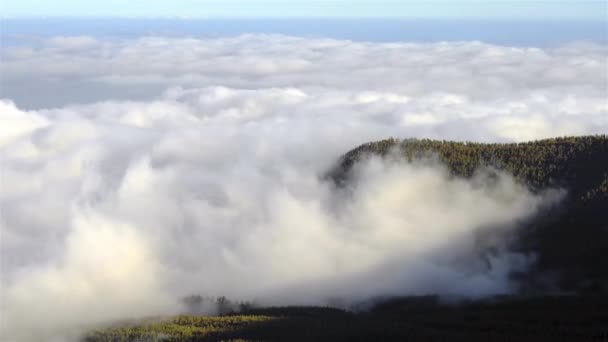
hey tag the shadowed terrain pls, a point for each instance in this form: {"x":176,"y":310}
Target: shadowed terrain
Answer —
{"x":560,"y":318}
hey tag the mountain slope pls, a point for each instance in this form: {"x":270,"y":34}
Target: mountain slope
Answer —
{"x":571,"y":240}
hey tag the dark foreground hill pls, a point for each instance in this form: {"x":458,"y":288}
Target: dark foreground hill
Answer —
{"x":563,"y":318}
{"x":571,"y":240}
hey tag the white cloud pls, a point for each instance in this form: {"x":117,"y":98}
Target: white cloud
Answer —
{"x":106,"y":267}
{"x":477,"y":70}
{"x":72,"y":44}
{"x":16,"y":123}
{"x":215,"y":184}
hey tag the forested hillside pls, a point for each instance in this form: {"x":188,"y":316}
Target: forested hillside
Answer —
{"x":577,"y":163}
{"x":572,"y":239}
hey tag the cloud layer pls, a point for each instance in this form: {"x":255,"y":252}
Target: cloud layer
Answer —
{"x":210,"y":180}
{"x":81,"y":69}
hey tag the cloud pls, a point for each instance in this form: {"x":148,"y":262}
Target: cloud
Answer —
{"x":63,"y":44}
{"x":17,"y":123}
{"x":215,"y":185}
{"x":90,"y":282}
{"x":148,"y":65}
{"x":203,"y":190}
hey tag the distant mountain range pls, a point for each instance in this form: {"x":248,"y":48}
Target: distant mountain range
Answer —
{"x":570,"y":239}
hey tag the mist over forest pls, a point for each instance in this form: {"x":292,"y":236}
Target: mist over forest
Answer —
{"x":159,"y":175}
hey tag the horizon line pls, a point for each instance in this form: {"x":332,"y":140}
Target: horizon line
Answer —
{"x":389,"y":17}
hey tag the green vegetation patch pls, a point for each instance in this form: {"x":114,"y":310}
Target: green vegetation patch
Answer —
{"x":180,"y":328}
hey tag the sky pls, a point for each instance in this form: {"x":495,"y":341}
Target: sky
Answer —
{"x":525,"y":9}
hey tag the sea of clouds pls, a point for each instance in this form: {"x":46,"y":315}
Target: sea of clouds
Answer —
{"x":136,"y":172}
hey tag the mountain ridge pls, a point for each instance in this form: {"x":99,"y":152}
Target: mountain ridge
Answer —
{"x":571,"y":239}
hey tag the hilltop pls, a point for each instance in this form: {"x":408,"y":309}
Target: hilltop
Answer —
{"x":571,"y":239}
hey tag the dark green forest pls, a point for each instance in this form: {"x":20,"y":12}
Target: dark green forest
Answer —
{"x":579,"y":164}
{"x":570,"y":239}
{"x":521,"y":318}
{"x":563,"y":296}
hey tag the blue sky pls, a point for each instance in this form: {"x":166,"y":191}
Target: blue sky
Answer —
{"x":595,"y":10}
